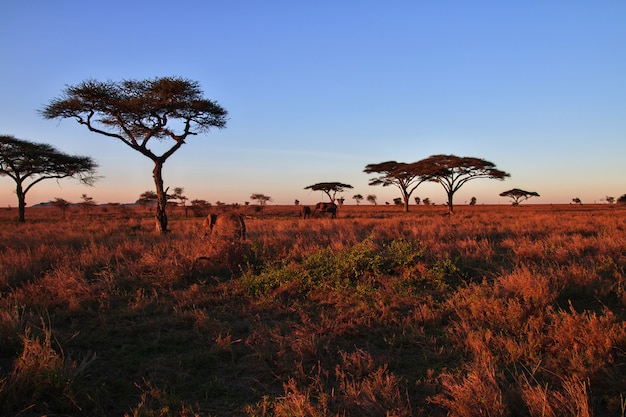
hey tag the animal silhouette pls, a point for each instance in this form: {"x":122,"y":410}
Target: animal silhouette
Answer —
{"x":326,"y":208}
{"x":225,"y":225}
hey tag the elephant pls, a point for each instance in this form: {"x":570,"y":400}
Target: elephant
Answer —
{"x":305,"y":212}
{"x":326,"y":208}
{"x":225,"y":225}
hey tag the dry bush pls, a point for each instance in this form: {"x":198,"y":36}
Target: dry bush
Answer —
{"x":475,"y":393}
{"x":571,"y":400}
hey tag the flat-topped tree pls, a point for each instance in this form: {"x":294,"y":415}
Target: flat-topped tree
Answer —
{"x":518,"y":195}
{"x":329,"y":188}
{"x":407,"y":177}
{"x":29,"y":163}
{"x":452,"y":172}
{"x":138,"y":111}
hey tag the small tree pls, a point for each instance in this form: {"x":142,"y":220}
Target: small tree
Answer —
{"x":178,"y":195}
{"x":262,"y":199}
{"x":136,"y":112}
{"x":147,"y":198}
{"x":371,"y":198}
{"x":473,"y":201}
{"x":418,"y":201}
{"x":426,"y":201}
{"x":577,"y":200}
{"x":296,"y":202}
{"x":397,"y":201}
{"x":200,"y":208}
{"x":61,"y":204}
{"x":87,"y":203}
{"x":609,"y":199}
{"x":518,"y":195}
{"x":452,"y":172}
{"x":25,"y":161}
{"x":622,"y":199}
{"x":329,"y":188}
{"x":358,"y":198}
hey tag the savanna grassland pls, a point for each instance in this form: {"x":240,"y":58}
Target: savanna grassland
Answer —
{"x":493,"y":311}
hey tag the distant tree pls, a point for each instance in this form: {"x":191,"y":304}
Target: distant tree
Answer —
{"x":200,"y":208}
{"x":417,"y":201}
{"x":397,"y":201}
{"x":473,"y":201}
{"x":577,"y":200}
{"x":622,"y":199}
{"x":340,"y":201}
{"x":135,"y":112}
{"x":61,"y":204}
{"x":29,"y":163}
{"x":452,"y":172}
{"x":518,"y":195}
{"x":609,"y":199}
{"x":329,"y":188}
{"x":87,"y":203}
{"x":426,"y":201}
{"x":407,"y":177}
{"x":371,"y":198}
{"x":180,"y":197}
{"x":358,"y":198}
{"x":262,"y":200}
{"x":147,"y":198}
{"x":296,"y":202}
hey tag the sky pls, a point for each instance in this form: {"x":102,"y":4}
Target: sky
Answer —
{"x":315,"y":91}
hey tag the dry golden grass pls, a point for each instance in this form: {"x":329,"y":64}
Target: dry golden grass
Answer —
{"x":495,"y":311}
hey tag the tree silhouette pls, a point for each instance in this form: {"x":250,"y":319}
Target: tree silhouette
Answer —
{"x":371,"y":198}
{"x":87,"y":204}
{"x":622,"y":199}
{"x":518,"y":195}
{"x":182,"y":199}
{"x":25,"y":161}
{"x":61,"y":204}
{"x":138,"y":111}
{"x":329,"y":188}
{"x":452,"y":172}
{"x":262,"y":199}
{"x":407,"y":177}
{"x":358,"y":198}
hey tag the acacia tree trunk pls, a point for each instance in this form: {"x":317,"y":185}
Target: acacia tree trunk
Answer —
{"x":21,"y":203}
{"x":161,"y":213}
{"x":450,"y":206}
{"x":405,"y":197}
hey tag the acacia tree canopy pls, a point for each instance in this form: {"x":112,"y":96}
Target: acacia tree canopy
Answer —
{"x":452,"y":172}
{"x":329,"y":188}
{"x":407,"y":177}
{"x":137,"y":111}
{"x":22,"y":161}
{"x":518,"y":195}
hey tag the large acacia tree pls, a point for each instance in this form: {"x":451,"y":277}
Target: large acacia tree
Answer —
{"x":139,"y":112}
{"x":452,"y":172}
{"x":29,"y":163}
{"x":407,"y":177}
{"x":329,"y":188}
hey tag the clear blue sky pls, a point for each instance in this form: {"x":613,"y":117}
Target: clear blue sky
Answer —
{"x":317,"y":90}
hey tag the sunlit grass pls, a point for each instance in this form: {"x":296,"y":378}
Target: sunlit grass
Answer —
{"x":496,"y":310}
